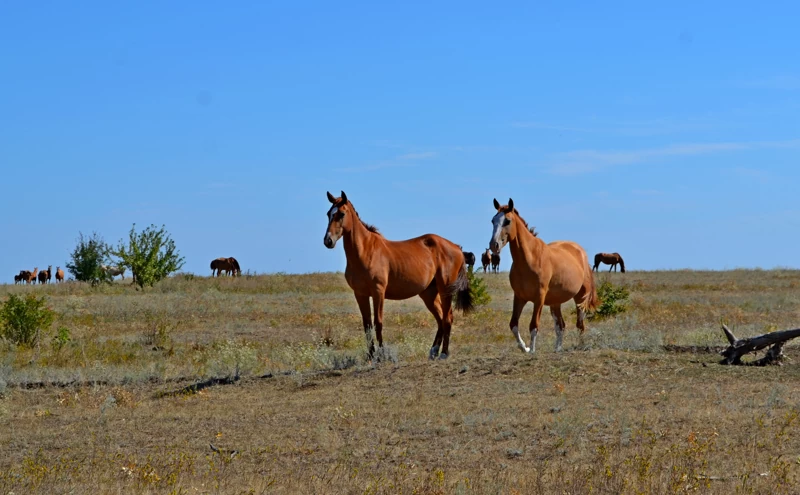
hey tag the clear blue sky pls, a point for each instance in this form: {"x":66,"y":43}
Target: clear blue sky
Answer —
{"x":669,"y":133}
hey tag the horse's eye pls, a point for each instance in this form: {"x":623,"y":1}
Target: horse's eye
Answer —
{"x":506,"y":222}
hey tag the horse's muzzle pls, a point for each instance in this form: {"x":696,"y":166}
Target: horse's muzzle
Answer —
{"x":494,"y":246}
{"x":328,"y":242}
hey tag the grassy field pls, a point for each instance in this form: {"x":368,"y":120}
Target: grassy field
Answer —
{"x":614,"y":413}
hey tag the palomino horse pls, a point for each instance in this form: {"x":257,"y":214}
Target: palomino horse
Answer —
{"x":545,"y":274}
{"x":428,"y":266}
{"x":609,"y":259}
{"x":486,"y":259}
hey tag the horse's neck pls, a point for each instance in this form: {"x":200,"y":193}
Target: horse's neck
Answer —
{"x":357,"y":243}
{"x":525,"y":246}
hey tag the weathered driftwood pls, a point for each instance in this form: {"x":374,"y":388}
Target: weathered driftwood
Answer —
{"x":738,"y":348}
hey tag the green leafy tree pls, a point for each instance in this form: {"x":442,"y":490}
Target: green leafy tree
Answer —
{"x":85,"y":260}
{"x":150,"y":255}
{"x":23,"y":319}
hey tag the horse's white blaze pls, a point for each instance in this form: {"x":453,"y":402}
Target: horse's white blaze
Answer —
{"x":331,"y":213}
{"x":520,"y":342}
{"x":497,"y":229}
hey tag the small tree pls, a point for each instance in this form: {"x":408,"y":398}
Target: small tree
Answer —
{"x":478,"y":290}
{"x":150,"y":255}
{"x":85,"y":260}
{"x":613,"y":300}
{"x":22,"y":320}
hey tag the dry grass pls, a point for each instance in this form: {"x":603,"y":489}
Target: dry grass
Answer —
{"x":612,"y":414}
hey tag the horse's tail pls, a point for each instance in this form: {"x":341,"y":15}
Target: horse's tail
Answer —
{"x":592,"y":300}
{"x":621,"y":263}
{"x":461,"y":292}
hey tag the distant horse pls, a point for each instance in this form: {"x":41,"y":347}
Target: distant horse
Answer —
{"x":49,"y":273}
{"x":486,"y":259}
{"x":59,"y":274}
{"x":609,"y":259}
{"x":24,"y":276}
{"x":227,"y":265}
{"x":495,"y":262}
{"x":469,"y":259}
{"x":429,"y":266}
{"x":43,"y":277}
{"x":545,"y":274}
{"x":113,"y":271}
{"x":17,"y":278}
{"x":32,"y":276}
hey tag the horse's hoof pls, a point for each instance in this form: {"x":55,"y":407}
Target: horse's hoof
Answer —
{"x":442,"y":356}
{"x":434,"y":352}
{"x":524,"y":348}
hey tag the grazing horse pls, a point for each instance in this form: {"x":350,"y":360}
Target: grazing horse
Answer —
{"x":43,"y":277}
{"x":469,"y":259}
{"x":227,"y":265}
{"x":609,"y":259}
{"x":495,"y":262}
{"x":545,"y":274}
{"x":59,"y":274}
{"x":113,"y":271}
{"x":486,"y":259}
{"x":428,"y":266}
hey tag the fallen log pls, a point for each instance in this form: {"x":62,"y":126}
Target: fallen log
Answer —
{"x":739,"y":347}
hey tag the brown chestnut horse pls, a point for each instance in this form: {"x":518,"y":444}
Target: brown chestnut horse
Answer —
{"x":609,"y":259}
{"x":486,"y":259}
{"x":545,"y":274}
{"x":428,"y":266}
{"x":228,"y":265}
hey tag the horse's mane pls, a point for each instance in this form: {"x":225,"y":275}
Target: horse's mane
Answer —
{"x":532,"y":230}
{"x":369,"y":226}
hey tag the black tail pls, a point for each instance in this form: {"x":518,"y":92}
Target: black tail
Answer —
{"x":461,"y":291}
{"x":621,"y":263}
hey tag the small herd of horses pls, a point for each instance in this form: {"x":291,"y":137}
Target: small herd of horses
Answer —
{"x":43,"y":277}
{"x":487,"y":258}
{"x":435,"y":269}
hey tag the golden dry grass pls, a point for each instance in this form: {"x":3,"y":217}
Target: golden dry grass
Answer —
{"x":615,"y":413}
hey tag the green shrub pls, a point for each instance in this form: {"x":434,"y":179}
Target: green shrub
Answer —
{"x":86,"y":258}
{"x":478,"y":290}
{"x":150,"y":255}
{"x":22,"y":320}
{"x":613,"y":300}
{"x":60,"y":339}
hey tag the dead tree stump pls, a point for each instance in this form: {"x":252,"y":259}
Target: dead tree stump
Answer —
{"x":738,"y":348}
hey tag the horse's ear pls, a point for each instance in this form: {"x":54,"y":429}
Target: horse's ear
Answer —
{"x":496,"y":204}
{"x":331,"y":198}
{"x":344,"y":198}
{"x":510,"y":204}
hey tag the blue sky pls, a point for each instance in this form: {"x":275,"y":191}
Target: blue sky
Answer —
{"x":668,"y":133}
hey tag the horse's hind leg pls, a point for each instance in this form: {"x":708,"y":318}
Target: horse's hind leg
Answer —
{"x":430,"y":297}
{"x":366,"y":318}
{"x":558,"y":321}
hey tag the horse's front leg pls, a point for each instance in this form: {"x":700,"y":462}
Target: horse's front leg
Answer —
{"x":535,"y":320}
{"x":366,"y":319}
{"x":377,"y":301}
{"x":519,"y":305}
